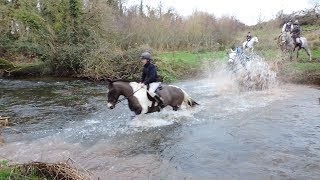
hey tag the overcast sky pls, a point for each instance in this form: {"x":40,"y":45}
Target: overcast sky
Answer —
{"x":247,"y":11}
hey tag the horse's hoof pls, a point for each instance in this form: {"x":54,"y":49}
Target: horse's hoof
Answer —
{"x":175,"y":108}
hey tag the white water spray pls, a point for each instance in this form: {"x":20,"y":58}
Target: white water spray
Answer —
{"x":242,"y":73}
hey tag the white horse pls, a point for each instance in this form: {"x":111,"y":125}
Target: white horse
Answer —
{"x":248,"y":45}
{"x":287,"y":45}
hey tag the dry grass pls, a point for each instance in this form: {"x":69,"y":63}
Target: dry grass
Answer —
{"x":54,"y":171}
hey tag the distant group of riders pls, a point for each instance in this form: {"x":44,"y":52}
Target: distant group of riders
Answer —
{"x":294,"y":29}
{"x":288,"y":27}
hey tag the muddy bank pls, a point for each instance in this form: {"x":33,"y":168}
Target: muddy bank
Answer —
{"x":300,"y":73}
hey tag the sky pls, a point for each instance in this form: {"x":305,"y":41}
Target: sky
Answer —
{"x":246,"y":11}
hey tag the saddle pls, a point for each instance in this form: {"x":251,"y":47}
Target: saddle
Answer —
{"x":157,"y":98}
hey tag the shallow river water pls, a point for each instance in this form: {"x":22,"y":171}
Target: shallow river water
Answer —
{"x":271,"y":134}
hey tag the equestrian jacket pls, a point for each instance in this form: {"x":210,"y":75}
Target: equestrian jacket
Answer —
{"x":149,"y":74}
{"x":249,"y":37}
{"x":296,"y":31}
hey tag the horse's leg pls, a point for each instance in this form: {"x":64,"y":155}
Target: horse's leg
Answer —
{"x":175,"y":108}
{"x":308,"y":52}
{"x":299,"y":47}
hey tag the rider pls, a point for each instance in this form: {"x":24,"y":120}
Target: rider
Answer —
{"x":296,"y":33}
{"x":149,"y":77}
{"x":248,"y":38}
{"x":287,"y":27}
{"x":238,"y":50}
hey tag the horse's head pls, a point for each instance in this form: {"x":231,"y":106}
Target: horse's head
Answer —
{"x":255,"y":39}
{"x":284,"y":38}
{"x":232,"y":57}
{"x":113,"y":94}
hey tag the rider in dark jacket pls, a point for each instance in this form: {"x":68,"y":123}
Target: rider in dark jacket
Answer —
{"x":249,"y":36}
{"x":149,"y":77}
{"x":149,"y":73}
{"x":296,"y":32}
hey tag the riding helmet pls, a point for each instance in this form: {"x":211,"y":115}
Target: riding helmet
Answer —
{"x":145,"y":55}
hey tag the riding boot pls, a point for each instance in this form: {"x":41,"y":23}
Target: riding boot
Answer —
{"x":159,"y":101}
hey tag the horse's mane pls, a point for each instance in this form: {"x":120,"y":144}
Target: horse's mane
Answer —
{"x":120,"y":80}
{"x":123,"y":80}
{"x":128,"y":81}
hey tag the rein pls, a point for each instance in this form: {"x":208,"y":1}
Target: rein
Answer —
{"x":125,"y":98}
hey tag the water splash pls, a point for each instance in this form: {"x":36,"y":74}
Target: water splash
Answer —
{"x":254,"y":73}
{"x":241,"y":73}
{"x":165,"y":117}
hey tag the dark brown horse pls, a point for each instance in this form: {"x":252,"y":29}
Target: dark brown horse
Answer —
{"x":140,"y":102}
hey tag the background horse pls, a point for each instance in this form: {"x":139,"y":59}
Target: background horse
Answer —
{"x":249,"y":45}
{"x":287,"y":45}
{"x":140,"y":102}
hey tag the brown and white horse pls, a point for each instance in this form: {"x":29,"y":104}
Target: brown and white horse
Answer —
{"x":140,"y":102}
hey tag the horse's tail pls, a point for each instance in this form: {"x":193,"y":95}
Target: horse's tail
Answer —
{"x":188,"y":100}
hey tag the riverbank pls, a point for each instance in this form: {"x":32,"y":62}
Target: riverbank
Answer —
{"x":174,"y":66}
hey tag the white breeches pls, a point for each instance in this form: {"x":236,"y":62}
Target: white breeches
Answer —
{"x":153,"y":87}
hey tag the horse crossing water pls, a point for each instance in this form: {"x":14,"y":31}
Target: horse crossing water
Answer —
{"x":140,"y":102}
{"x":250,"y":71}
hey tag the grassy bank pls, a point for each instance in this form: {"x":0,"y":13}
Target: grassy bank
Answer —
{"x":302,"y":73}
{"x":181,"y":65}
{"x":9,"y":69}
{"x":177,"y":65}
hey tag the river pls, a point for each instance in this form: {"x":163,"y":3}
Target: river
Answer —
{"x":270,"y":134}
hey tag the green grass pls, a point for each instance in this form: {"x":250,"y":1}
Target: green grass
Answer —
{"x":177,"y":65}
{"x":310,"y":28}
{"x":190,"y":57}
{"x":315,"y":55}
{"x":12,"y":172}
{"x":4,"y":64}
{"x":306,"y":67}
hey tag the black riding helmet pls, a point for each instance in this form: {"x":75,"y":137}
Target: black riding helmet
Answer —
{"x":145,"y":55}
